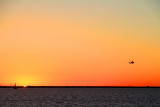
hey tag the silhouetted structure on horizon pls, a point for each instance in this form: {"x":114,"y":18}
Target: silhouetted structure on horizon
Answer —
{"x":15,"y":87}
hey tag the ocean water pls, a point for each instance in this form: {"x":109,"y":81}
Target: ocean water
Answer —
{"x":80,"y":97}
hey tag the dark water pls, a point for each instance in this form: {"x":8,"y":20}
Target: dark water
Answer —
{"x":80,"y":97}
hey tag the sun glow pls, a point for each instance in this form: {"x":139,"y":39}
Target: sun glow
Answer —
{"x":24,"y":86}
{"x":25,"y":80}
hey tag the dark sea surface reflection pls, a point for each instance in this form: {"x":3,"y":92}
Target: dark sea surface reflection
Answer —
{"x":71,"y":97}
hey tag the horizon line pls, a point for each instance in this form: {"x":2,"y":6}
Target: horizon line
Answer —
{"x":29,"y":86}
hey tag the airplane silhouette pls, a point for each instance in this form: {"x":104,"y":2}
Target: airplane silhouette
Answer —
{"x":132,"y":62}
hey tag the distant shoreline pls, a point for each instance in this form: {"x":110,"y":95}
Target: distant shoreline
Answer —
{"x":81,"y":87}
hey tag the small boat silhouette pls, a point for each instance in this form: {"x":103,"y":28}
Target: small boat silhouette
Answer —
{"x":132,"y":62}
{"x":15,"y":87}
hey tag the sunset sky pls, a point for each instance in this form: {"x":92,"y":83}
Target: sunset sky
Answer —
{"x":80,"y":42}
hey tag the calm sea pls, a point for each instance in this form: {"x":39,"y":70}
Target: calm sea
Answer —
{"x":80,"y":97}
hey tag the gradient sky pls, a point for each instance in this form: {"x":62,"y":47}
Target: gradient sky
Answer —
{"x":80,"y":42}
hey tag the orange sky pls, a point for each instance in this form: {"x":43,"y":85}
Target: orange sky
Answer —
{"x":56,"y":43}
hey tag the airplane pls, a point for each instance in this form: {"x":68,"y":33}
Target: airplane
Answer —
{"x":132,"y":62}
